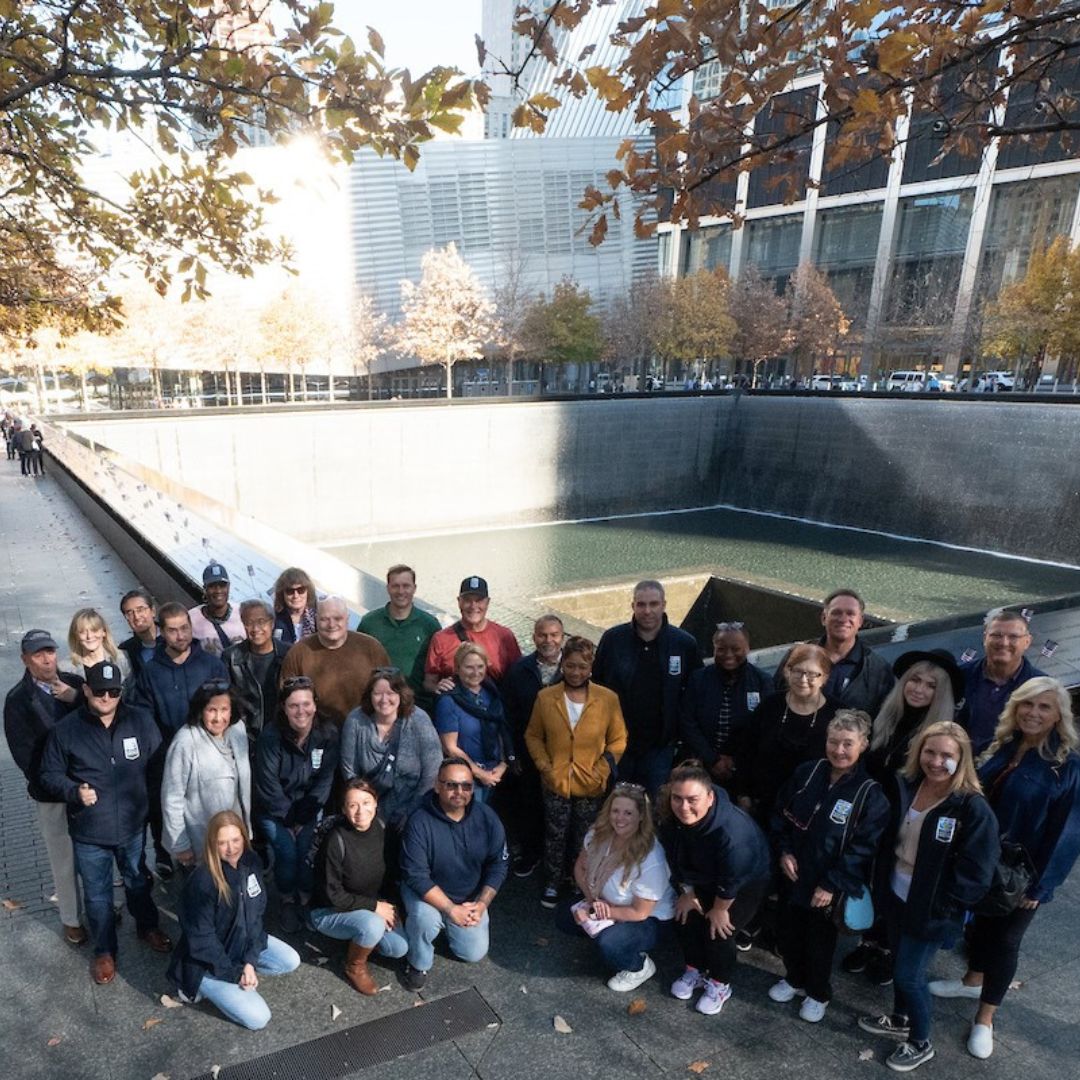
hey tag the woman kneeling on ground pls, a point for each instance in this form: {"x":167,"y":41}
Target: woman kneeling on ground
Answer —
{"x":719,"y":862}
{"x":1031,"y":775}
{"x":223,"y":947}
{"x":940,"y":850}
{"x":626,"y":887}
{"x":349,"y":881}
{"x":826,"y":827}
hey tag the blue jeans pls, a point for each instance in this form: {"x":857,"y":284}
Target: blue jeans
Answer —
{"x":623,"y":946}
{"x":95,"y":865}
{"x":247,"y":1007}
{"x":365,"y":928}
{"x":911,"y":968}
{"x":649,"y":768}
{"x":291,"y":872}
{"x":424,"y":924}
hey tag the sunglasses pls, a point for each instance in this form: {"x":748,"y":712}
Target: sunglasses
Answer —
{"x":297,"y":682}
{"x":106,"y":693}
{"x":721,"y":627}
{"x":387,"y":672}
{"x":215,"y":686}
{"x":457,"y":785}
{"x":293,"y":590}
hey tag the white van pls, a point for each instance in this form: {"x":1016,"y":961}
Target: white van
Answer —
{"x":909,"y":382}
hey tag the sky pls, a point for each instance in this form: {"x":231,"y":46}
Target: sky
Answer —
{"x":418,"y":34}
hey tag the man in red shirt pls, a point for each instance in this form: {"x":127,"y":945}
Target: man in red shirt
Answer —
{"x":474,"y":625}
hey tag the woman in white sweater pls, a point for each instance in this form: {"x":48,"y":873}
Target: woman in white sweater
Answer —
{"x":207,"y":769}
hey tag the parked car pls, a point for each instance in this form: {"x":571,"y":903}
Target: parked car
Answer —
{"x":908,"y":382}
{"x":994,"y":382}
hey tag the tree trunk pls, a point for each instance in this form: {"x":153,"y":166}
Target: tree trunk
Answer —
{"x":84,"y":397}
{"x":292,"y":382}
{"x":449,"y":379}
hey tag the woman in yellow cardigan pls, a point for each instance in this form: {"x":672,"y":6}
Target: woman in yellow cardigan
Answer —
{"x":576,"y":735}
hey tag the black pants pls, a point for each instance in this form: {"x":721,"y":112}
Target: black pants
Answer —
{"x":37,"y":462}
{"x":518,"y":801}
{"x":995,"y":950}
{"x":24,"y":462}
{"x":807,"y":939}
{"x":715,"y":957}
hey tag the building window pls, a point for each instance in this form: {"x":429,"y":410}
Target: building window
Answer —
{"x":707,"y":248}
{"x":772,"y":245}
{"x":845,"y":248}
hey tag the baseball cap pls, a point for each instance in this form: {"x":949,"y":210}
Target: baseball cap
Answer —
{"x":214,"y":573}
{"x":477,"y":586}
{"x":104,"y":676}
{"x":35,"y":640}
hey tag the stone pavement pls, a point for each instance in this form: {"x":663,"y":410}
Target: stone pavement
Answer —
{"x":54,"y":1023}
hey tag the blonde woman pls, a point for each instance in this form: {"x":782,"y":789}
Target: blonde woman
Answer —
{"x":938,"y":859}
{"x":91,"y":643}
{"x":223,"y":947}
{"x":626,"y":888}
{"x":1031,"y":775}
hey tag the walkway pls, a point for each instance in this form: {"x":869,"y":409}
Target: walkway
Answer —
{"x":55,"y":1023}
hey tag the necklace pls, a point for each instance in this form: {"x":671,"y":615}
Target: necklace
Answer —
{"x":813,"y":719}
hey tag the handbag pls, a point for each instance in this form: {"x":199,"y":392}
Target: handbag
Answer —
{"x":1012,"y":878}
{"x":854,"y":913}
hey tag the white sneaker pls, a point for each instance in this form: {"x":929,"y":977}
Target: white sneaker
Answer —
{"x":783,"y":991}
{"x":954,"y":988}
{"x":684,"y":986}
{"x":624,"y":981}
{"x":713,"y":997}
{"x":981,"y":1041}
{"x":812,"y":1010}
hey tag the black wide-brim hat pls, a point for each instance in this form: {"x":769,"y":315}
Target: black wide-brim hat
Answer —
{"x":942,"y":658}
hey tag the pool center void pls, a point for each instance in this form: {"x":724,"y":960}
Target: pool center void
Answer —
{"x":933,"y":507}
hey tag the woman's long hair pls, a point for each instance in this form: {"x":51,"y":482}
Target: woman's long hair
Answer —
{"x":91,"y":617}
{"x":641,"y":843}
{"x":210,"y":852}
{"x":293,"y":575}
{"x":941,"y":707}
{"x":1065,"y":727}
{"x":964,"y":780}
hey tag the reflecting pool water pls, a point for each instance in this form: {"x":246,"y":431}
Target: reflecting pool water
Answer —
{"x":901,"y":580}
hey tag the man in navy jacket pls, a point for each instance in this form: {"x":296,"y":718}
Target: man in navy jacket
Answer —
{"x":648,"y":663}
{"x":33,"y":707}
{"x":453,"y":862}
{"x":164,"y":687}
{"x":95,"y":761}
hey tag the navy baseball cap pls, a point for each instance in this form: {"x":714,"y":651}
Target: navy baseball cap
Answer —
{"x":215,"y":573}
{"x":474,"y":586}
{"x":104,"y":676}
{"x":35,"y":640}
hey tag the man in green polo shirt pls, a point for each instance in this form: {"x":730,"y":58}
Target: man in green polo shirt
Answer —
{"x":404,"y":630}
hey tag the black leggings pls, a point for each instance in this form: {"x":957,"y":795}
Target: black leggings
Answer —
{"x":995,"y":950}
{"x":715,"y":957}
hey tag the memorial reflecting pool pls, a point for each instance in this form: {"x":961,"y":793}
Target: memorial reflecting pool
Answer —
{"x":901,"y":580}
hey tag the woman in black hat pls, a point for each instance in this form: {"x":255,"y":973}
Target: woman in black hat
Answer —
{"x":929,"y":686}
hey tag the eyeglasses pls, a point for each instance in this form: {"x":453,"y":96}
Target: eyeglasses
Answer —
{"x":128,"y":612}
{"x":387,"y":672}
{"x":457,"y":785}
{"x":721,"y":627}
{"x":297,"y":682}
{"x":1012,"y":639}
{"x":257,"y":623}
{"x":805,"y":676}
{"x":106,"y":693}
{"x":215,"y":686}
{"x":292,"y":590}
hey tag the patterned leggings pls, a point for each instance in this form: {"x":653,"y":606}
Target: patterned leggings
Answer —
{"x":566,"y":821}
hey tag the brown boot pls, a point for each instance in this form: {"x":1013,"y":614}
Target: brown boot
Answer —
{"x":356,"y":970}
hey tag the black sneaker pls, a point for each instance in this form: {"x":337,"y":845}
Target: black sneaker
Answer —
{"x":856,"y":961}
{"x":413,"y":978}
{"x":163,"y":868}
{"x":880,"y":968}
{"x":744,"y":941}
{"x":891,"y":1026}
{"x":524,"y":865}
{"x":908,"y":1056}
{"x":550,"y":896}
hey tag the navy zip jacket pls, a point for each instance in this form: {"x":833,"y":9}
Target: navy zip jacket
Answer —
{"x":810,"y":821}
{"x":954,"y":866}
{"x":113,"y":761}
{"x":132,"y":648}
{"x":701,"y":707}
{"x":29,"y":715}
{"x":219,"y":938}
{"x":292,"y":785}
{"x":719,"y":854}
{"x":616,"y":659}
{"x":166,"y":689}
{"x":461,"y":857}
{"x":1038,"y":806}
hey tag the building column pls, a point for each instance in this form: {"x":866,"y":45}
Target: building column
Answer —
{"x":817,"y":163}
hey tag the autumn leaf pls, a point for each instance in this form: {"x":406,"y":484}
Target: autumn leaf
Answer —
{"x":866,"y":1055}
{"x":170,"y":1002}
{"x":599,"y":231}
{"x":56,"y":1040}
{"x":561,"y":1026}
{"x":544,"y":101}
{"x":607,"y":86}
{"x":12,"y":905}
{"x":698,"y":1066}
{"x":152,"y":1022}
{"x":636,"y":1007}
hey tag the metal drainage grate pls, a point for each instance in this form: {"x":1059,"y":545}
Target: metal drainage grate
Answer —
{"x":371,"y":1043}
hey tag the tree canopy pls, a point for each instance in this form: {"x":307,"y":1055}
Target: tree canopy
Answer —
{"x":965,"y":73}
{"x":192,"y":82}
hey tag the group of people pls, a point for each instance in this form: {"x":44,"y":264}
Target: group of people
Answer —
{"x":25,"y":441}
{"x":392,"y":776}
